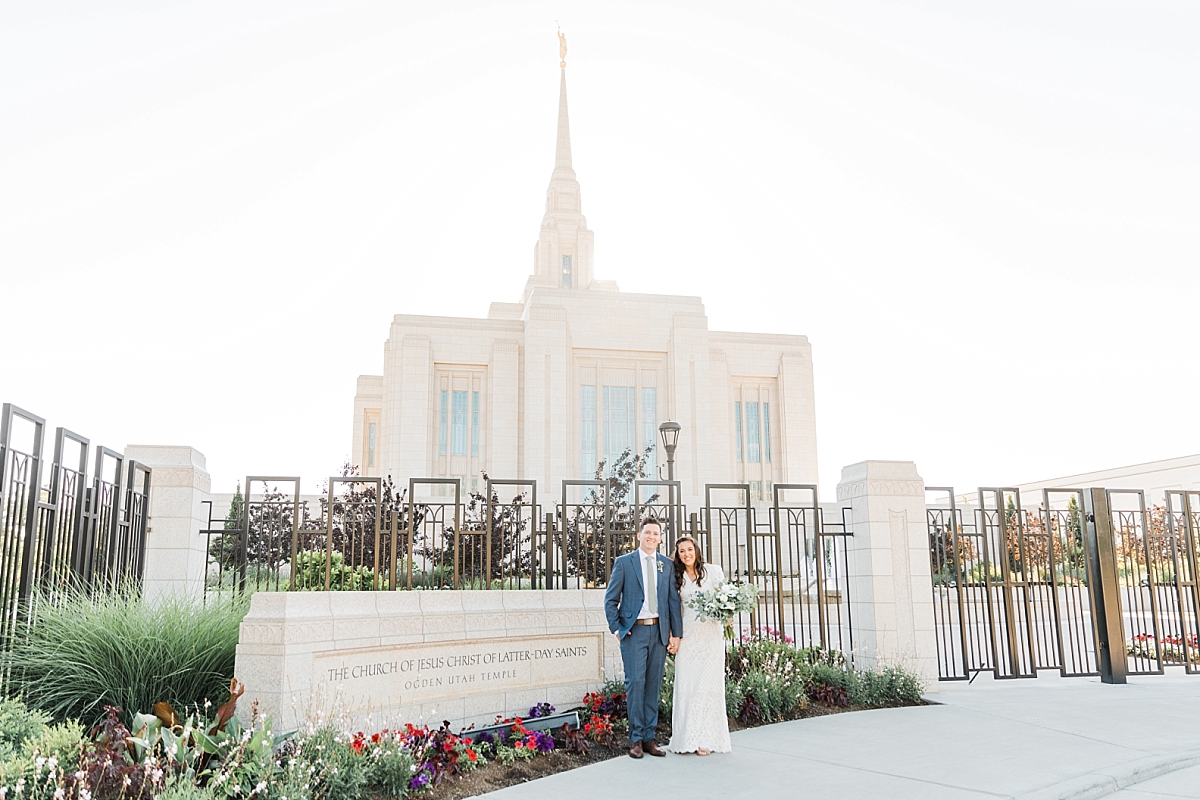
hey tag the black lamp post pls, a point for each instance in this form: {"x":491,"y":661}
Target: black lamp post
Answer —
{"x":669,"y":431}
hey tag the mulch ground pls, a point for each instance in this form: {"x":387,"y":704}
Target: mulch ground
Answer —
{"x":497,"y":776}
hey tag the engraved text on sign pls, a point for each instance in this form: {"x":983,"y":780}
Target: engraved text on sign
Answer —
{"x":424,"y":673}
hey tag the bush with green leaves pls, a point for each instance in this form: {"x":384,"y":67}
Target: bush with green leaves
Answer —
{"x":389,"y":768}
{"x":179,"y":787}
{"x":733,"y":697}
{"x":245,"y":763}
{"x":769,"y":679}
{"x":311,"y":566}
{"x":85,"y":653}
{"x":35,"y":754}
{"x":771,"y":674}
{"x":888,"y":686}
{"x":18,"y":723}
{"x":871,"y":688}
{"x":337,"y":771}
{"x":666,"y":696}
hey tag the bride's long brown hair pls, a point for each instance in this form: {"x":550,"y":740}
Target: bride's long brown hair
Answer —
{"x":680,"y":568}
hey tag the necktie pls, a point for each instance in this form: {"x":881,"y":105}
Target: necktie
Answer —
{"x":651,"y":585}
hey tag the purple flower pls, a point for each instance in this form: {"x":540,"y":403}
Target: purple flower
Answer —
{"x":544,"y":741}
{"x":540,"y":710}
{"x":419,"y":781}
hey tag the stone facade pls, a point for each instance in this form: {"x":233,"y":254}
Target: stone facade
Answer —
{"x":179,"y":485}
{"x":891,"y":601}
{"x":577,"y":371}
{"x":385,"y":658}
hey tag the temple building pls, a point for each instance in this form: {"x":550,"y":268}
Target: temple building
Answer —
{"x":578,"y":371}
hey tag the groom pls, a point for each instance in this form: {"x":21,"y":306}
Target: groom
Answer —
{"x":643,"y":611}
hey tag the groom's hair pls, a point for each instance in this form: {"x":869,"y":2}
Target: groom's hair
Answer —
{"x":650,"y":519}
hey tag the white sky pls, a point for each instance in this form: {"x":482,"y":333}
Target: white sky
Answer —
{"x":983,"y":216}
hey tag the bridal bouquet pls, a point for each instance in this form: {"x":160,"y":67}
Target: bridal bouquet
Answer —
{"x":723,"y":601}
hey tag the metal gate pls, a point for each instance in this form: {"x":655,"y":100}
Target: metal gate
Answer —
{"x":1092,"y":582}
{"x":1156,"y":560}
{"x":1010,"y":586}
{"x":60,"y":531}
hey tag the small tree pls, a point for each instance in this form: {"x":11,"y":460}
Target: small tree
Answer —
{"x":266,"y":526}
{"x":602,"y":527}
{"x":237,"y":510}
{"x":348,"y":525}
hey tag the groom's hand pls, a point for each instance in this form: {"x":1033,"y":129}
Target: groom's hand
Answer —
{"x":673,"y":645}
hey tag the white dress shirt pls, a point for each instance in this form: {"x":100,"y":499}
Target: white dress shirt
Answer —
{"x":645,"y":613}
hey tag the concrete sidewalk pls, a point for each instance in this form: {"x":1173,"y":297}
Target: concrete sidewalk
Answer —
{"x":1043,"y":739}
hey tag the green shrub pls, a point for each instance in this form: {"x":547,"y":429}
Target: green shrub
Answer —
{"x":18,"y":723}
{"x":40,"y":757}
{"x":182,"y":788}
{"x":818,"y":656}
{"x":666,"y":696}
{"x":776,"y":699}
{"x":338,"y":772}
{"x":733,"y":697}
{"x":88,"y":652}
{"x":310,"y":572}
{"x":827,"y":675}
{"x":889,"y":686}
{"x":246,"y":760}
{"x":389,"y":769}
{"x":62,"y":742}
{"x":776,"y":659}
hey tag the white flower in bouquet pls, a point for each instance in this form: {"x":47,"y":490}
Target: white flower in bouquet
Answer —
{"x":722,"y":602}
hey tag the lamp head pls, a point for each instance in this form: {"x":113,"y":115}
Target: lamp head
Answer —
{"x":669,"y":431}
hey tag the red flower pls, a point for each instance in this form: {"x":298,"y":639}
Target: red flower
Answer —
{"x":471,"y":755}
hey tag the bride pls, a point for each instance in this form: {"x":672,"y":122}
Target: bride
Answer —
{"x":698,"y":721}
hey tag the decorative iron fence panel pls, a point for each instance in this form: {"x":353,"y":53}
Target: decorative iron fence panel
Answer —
{"x":1010,"y":591}
{"x":1016,"y":591}
{"x":367,"y":536}
{"x":1183,"y":520}
{"x":1156,"y":552}
{"x":60,"y":531}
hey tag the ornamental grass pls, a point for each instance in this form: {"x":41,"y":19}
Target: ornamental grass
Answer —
{"x":115,"y":649}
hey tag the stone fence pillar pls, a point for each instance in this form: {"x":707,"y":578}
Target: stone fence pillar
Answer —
{"x":174,"y":547}
{"x":891,"y":594}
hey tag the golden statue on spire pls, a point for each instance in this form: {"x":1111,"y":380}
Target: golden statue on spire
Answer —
{"x":562,"y":49}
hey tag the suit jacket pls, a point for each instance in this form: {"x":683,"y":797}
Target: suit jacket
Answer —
{"x":625,"y":593}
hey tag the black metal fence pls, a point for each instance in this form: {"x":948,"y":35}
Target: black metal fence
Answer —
{"x":1016,"y":591}
{"x":75,"y":522}
{"x":366,"y":534}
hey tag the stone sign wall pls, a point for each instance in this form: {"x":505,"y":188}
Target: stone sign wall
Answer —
{"x":385,"y":658}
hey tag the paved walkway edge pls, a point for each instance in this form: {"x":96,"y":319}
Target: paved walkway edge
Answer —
{"x":1112,"y":779}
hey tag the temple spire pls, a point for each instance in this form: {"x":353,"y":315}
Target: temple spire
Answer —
{"x":562,"y":150}
{"x":563,"y":254}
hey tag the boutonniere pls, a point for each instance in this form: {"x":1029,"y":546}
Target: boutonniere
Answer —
{"x":660,"y":567}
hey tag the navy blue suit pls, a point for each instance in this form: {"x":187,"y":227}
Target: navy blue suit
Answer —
{"x":643,"y":647}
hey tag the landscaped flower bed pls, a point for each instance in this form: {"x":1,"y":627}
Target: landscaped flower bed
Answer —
{"x":166,"y":756}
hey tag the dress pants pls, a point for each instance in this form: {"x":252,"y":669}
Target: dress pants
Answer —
{"x":643,"y":655}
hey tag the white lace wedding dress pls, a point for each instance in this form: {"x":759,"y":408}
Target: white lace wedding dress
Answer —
{"x":698,"y":718}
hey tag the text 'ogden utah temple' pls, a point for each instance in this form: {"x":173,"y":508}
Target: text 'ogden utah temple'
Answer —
{"x":579,"y":371}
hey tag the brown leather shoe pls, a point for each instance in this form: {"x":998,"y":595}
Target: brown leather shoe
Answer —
{"x":652,"y":748}
{"x":636,"y":750}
